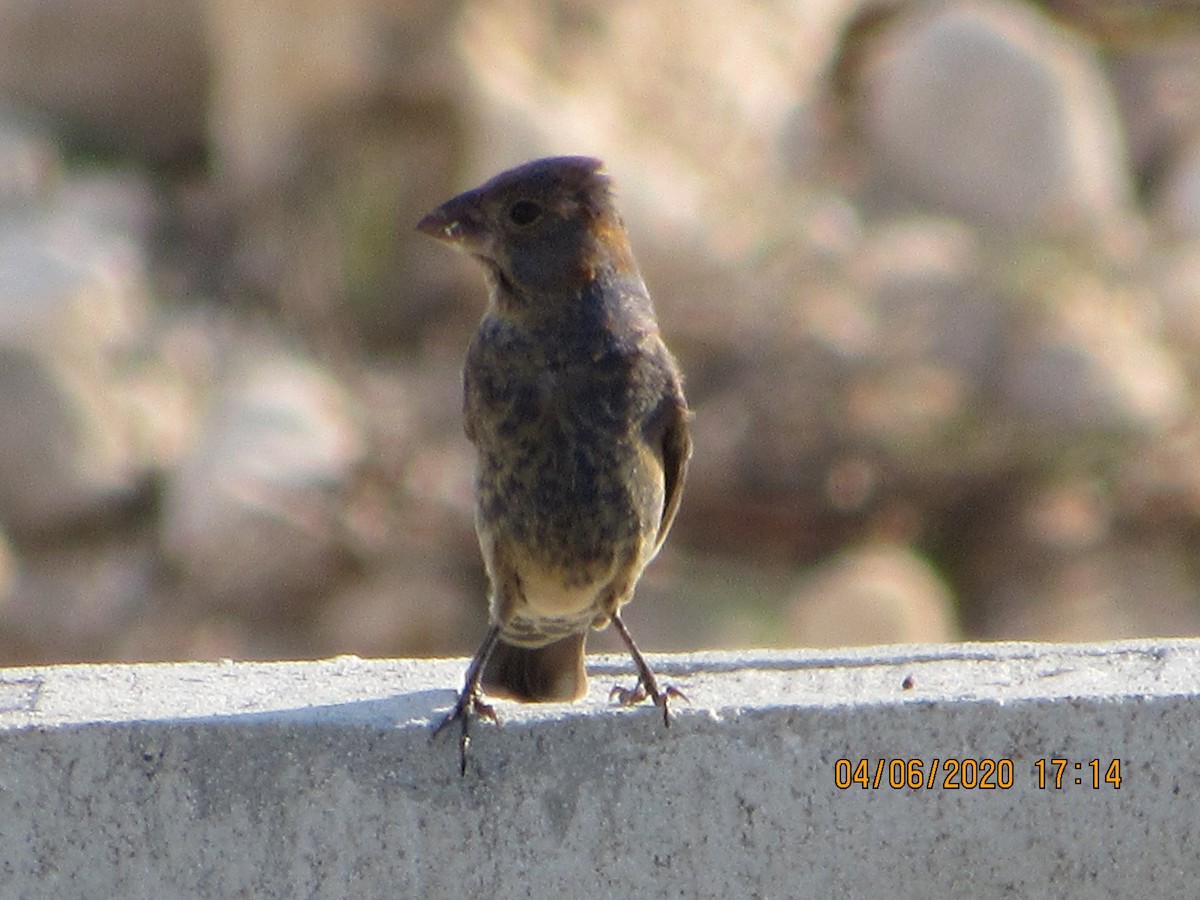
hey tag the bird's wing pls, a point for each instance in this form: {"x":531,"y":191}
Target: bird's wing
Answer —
{"x":471,"y":399}
{"x":670,"y":431}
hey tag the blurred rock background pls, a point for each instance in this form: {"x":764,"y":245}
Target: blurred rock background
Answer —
{"x":933,"y":270}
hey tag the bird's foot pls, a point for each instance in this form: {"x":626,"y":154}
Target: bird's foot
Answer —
{"x":640,"y":691}
{"x":470,"y":704}
{"x":647,"y":684}
{"x":470,"y":699}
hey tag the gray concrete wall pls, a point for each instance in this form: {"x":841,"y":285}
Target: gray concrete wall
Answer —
{"x":320,"y":780}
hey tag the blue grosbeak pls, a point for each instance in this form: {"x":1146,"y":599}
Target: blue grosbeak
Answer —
{"x":576,"y":409}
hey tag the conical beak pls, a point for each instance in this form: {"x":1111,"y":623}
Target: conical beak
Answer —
{"x":457,"y":222}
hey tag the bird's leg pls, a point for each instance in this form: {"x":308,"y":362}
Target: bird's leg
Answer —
{"x":647,"y":684}
{"x":470,"y":700}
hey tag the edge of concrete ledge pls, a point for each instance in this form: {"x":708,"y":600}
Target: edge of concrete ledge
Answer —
{"x":417,"y":690}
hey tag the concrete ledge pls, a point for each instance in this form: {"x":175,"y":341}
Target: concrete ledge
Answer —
{"x":319,"y":779}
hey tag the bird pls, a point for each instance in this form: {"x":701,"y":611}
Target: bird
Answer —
{"x":576,"y":410}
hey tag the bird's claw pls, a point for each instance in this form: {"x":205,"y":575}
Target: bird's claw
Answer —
{"x":640,"y":691}
{"x":470,"y":703}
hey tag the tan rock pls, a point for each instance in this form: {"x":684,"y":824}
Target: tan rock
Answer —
{"x":872,"y":595}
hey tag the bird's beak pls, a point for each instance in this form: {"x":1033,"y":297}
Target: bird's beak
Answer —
{"x":457,"y":222}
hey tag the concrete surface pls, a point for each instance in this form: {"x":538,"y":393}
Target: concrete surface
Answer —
{"x":319,"y":779}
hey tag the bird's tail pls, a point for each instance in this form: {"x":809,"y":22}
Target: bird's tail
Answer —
{"x":537,"y":674}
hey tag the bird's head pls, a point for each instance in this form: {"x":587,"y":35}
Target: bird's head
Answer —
{"x":543,"y":229}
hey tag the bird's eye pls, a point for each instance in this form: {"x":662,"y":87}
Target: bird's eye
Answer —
{"x":524,"y":212}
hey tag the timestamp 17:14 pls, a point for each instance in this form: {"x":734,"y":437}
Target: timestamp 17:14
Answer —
{"x":1060,"y":773}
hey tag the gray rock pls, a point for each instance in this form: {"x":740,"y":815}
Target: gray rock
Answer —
{"x":987,"y":110}
{"x":72,"y":302}
{"x":253,"y":515}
